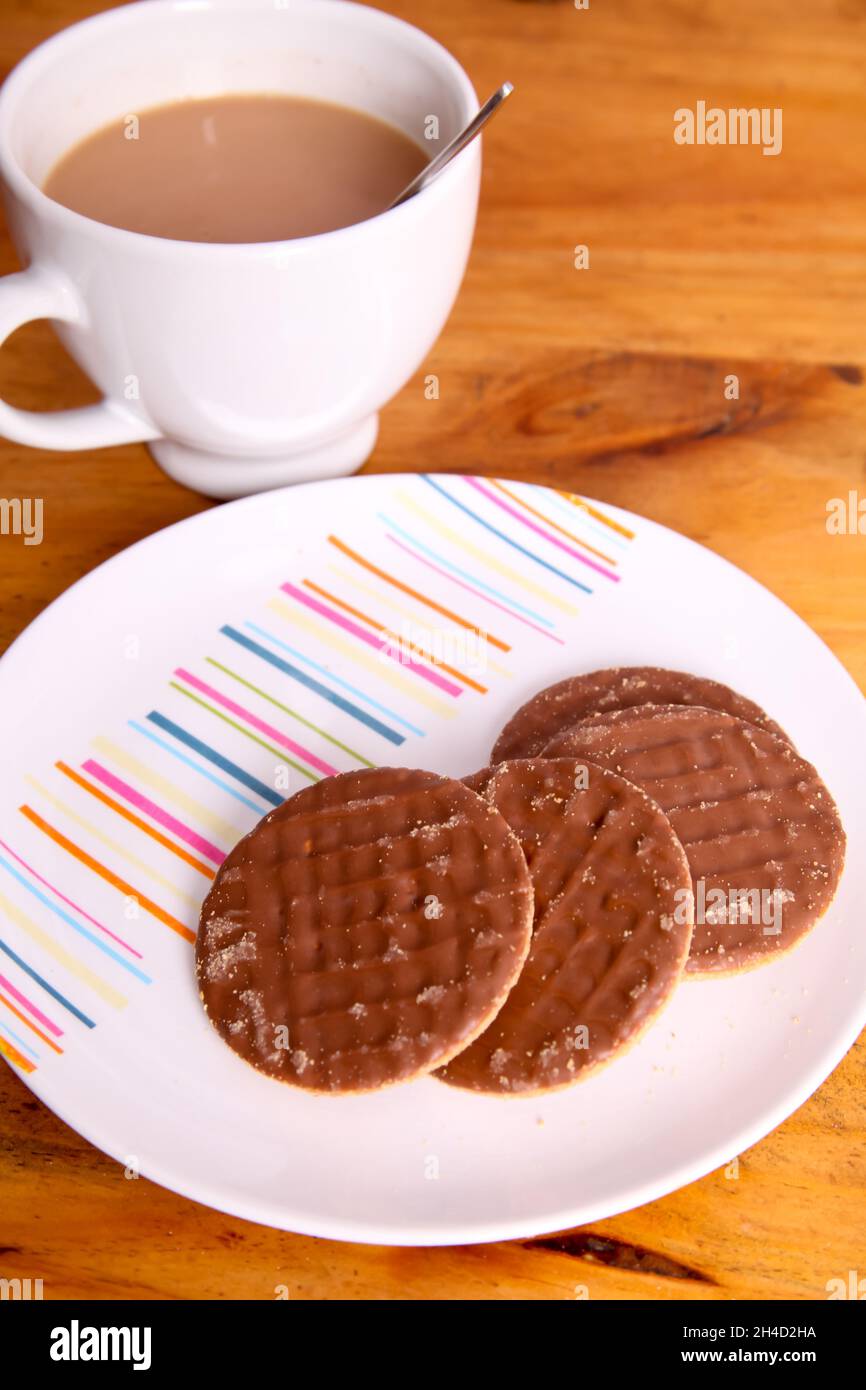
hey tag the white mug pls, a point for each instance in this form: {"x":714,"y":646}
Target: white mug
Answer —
{"x":245,"y":366}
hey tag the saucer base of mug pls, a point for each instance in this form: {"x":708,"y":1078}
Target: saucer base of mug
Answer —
{"x":232,"y":475}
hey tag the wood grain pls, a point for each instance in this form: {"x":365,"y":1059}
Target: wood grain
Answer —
{"x":704,"y":263}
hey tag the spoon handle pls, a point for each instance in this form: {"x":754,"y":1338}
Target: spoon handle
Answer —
{"x":436,"y":165}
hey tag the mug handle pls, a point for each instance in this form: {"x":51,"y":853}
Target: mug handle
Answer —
{"x":37,"y":294}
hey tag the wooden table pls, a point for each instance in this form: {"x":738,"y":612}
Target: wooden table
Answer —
{"x":705,"y":262}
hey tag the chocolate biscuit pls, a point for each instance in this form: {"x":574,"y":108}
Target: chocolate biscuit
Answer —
{"x":760,"y":830}
{"x":612,"y":925}
{"x":557,"y":707}
{"x":365,"y":931}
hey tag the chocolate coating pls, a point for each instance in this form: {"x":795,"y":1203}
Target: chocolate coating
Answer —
{"x":530,"y":730}
{"x":752,"y":815}
{"x":365,"y":930}
{"x":612,"y":926}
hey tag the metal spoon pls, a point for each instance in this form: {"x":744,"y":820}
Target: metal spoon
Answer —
{"x":436,"y":165}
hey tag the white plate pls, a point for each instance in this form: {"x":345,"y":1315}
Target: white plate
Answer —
{"x":150,"y":1082}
